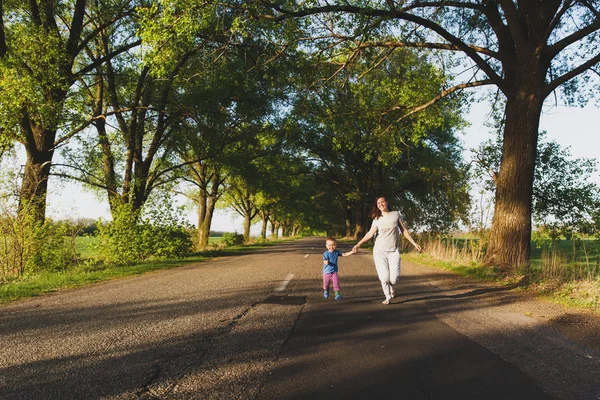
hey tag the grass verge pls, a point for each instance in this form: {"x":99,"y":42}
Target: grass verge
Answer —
{"x":577,"y":293}
{"x":85,"y":274}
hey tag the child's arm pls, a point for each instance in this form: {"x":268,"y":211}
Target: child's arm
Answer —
{"x":349,"y":253}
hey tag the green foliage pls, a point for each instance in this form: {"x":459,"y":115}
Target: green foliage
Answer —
{"x":129,"y":238}
{"x":365,"y":141}
{"x":232,"y":239}
{"x":29,"y":87}
{"x":565,"y":200}
{"x":27,"y":246}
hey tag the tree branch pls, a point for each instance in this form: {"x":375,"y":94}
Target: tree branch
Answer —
{"x":3,"y":48}
{"x":97,"y":184}
{"x":404,"y":16}
{"x":76,"y":28}
{"x":557,"y":17}
{"x":557,"y":47}
{"x":110,"y":56}
{"x":439,"y":97}
{"x":428,"y":45}
{"x":570,"y":75}
{"x":90,"y":121}
{"x":35,"y":12}
{"x":101,"y":28}
{"x":512,"y":16}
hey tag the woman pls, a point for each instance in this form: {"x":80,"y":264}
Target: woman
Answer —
{"x":386,"y":252}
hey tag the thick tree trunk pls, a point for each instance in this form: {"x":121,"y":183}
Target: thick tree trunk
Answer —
{"x":359,"y":228}
{"x":348,"y":221}
{"x":108,"y":160}
{"x":509,"y":246}
{"x":274,"y":230}
{"x":39,"y":147}
{"x":202,"y":237}
{"x":205,"y":224}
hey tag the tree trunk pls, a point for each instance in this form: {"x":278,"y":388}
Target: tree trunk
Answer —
{"x":274,"y":229}
{"x":247,"y":223}
{"x":39,"y":146}
{"x":359,"y":230}
{"x":348,"y":221}
{"x":509,"y":246}
{"x":204,"y":227}
{"x":108,"y":160}
{"x":265,"y":222}
{"x":202,"y":233}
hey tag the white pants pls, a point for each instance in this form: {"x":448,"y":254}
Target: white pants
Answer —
{"x":387,"y":264}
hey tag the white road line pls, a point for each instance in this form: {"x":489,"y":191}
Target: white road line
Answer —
{"x":284,"y":284}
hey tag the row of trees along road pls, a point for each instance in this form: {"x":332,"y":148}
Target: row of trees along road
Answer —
{"x":299,"y":115}
{"x":526,"y":49}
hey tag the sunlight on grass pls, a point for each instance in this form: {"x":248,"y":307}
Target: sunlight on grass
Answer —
{"x":564,"y":271}
{"x":88,"y":272}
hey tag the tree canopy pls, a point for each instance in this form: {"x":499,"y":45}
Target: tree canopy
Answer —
{"x":304,"y":112}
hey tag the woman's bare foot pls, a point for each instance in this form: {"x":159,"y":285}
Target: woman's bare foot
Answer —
{"x":393,"y":293}
{"x":386,"y":301}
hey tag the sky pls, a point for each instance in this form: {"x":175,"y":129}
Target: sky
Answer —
{"x":577,"y":128}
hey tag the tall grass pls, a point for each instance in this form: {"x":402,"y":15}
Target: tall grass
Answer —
{"x":566,"y":269}
{"x":567,"y":262}
{"x":467,"y":251}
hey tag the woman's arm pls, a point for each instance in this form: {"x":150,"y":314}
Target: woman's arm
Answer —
{"x":407,"y":236}
{"x":368,"y":236}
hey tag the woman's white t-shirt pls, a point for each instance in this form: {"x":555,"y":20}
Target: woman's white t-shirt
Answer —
{"x":388,"y":226}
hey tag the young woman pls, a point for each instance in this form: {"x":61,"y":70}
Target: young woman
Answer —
{"x":386,"y":252}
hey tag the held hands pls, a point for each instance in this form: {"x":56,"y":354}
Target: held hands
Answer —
{"x":355,"y":249}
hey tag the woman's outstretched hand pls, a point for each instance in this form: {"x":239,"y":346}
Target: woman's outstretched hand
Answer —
{"x":355,"y":249}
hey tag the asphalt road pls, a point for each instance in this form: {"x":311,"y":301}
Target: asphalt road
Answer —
{"x":256,"y":326}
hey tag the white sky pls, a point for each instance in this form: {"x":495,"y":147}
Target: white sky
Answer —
{"x":578,"y":128}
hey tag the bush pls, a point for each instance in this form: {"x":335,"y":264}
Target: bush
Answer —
{"x":232,"y":239}
{"x":29,"y":247}
{"x":130,"y":238}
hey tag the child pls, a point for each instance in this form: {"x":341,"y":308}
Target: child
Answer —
{"x":330,"y":267}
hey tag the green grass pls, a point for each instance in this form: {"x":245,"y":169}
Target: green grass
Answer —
{"x":84,"y":246}
{"x":86,"y":273}
{"x":567,"y":271}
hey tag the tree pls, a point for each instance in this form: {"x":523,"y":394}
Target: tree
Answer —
{"x":43,"y":53}
{"x":235,"y":82}
{"x":527,"y":49}
{"x":565,"y":200}
{"x":136,"y":156}
{"x":229,"y":105}
{"x":360,"y":154}
{"x":243,"y":199}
